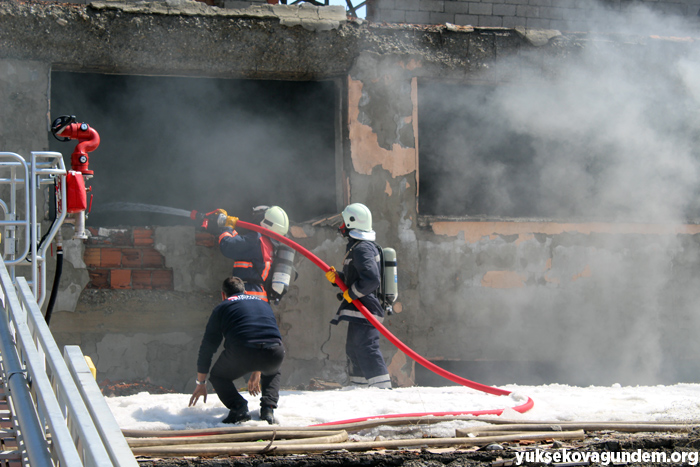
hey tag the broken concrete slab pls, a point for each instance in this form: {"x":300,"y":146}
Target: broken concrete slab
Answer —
{"x":537,"y":37}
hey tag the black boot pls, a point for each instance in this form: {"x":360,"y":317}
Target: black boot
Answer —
{"x":267,"y":413}
{"x":237,"y":416}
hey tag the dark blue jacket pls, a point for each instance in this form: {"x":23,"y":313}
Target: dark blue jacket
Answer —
{"x":242,"y":320}
{"x":252,"y":255}
{"x":361,"y":275}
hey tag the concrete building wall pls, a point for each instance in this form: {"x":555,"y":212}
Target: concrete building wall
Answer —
{"x":567,"y":15}
{"x":578,"y":300}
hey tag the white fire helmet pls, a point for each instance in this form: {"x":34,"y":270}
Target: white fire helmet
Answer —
{"x":276,"y":220}
{"x":358,"y":220}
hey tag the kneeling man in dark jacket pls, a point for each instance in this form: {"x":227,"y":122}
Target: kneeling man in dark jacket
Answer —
{"x":252,"y":343}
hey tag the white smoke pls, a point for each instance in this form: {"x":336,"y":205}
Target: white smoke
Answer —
{"x":594,"y":127}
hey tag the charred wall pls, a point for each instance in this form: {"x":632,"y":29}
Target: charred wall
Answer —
{"x":198,"y":143}
{"x":591,"y":299}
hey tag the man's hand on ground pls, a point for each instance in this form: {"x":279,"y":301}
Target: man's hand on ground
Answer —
{"x":199,"y":390}
{"x":254,"y":383}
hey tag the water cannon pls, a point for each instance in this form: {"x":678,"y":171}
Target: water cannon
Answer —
{"x":66,"y":128}
{"x":201,"y":218}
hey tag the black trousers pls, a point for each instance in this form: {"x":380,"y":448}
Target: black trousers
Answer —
{"x":362,"y":348}
{"x":235,"y":362}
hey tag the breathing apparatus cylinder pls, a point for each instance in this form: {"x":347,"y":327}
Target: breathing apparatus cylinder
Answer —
{"x":390,"y":281}
{"x":283,"y":269}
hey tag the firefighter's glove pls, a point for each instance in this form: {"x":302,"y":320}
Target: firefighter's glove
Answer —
{"x":231,"y":222}
{"x":346,"y":296}
{"x":331,"y":275}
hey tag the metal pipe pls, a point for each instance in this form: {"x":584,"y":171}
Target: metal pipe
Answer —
{"x":11,"y":222}
{"x":56,"y":226}
{"x":3,"y":205}
{"x":13,"y":211}
{"x":9,"y":180}
{"x":20,"y":162}
{"x":80,"y":225}
{"x":35,"y":226}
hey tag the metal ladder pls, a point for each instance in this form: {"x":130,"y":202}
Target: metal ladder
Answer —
{"x":10,"y":454}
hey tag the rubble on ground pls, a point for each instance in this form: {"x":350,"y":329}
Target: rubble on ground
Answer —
{"x":122,"y":388}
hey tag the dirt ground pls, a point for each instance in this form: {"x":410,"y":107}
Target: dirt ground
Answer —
{"x":672,"y":444}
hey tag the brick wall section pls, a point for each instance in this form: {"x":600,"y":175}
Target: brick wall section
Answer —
{"x":126,"y":259}
{"x":565,"y":15}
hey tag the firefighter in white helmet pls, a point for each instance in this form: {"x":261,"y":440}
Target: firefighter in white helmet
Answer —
{"x":361,"y":269}
{"x":252,"y":253}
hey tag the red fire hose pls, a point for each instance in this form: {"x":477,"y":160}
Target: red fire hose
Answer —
{"x":394,"y":340}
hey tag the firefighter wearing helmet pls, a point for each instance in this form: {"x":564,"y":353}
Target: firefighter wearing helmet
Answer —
{"x":361,"y":274}
{"x":253,"y":253}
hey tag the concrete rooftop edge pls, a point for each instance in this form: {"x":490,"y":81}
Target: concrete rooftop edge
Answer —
{"x":300,"y":12}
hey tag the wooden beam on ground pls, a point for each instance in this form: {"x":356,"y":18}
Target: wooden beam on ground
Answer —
{"x":628,"y":427}
{"x":233,"y":437}
{"x":233,"y":449}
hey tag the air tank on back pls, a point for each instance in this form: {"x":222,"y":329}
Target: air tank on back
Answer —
{"x":283,"y":269}
{"x":390,"y":281}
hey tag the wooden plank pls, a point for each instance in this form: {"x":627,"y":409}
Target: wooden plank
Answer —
{"x":629,"y":427}
{"x":236,"y":437}
{"x":230,"y":449}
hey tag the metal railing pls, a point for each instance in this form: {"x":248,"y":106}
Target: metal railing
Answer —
{"x":61,"y":416}
{"x":27,"y":179}
{"x":53,"y":398}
